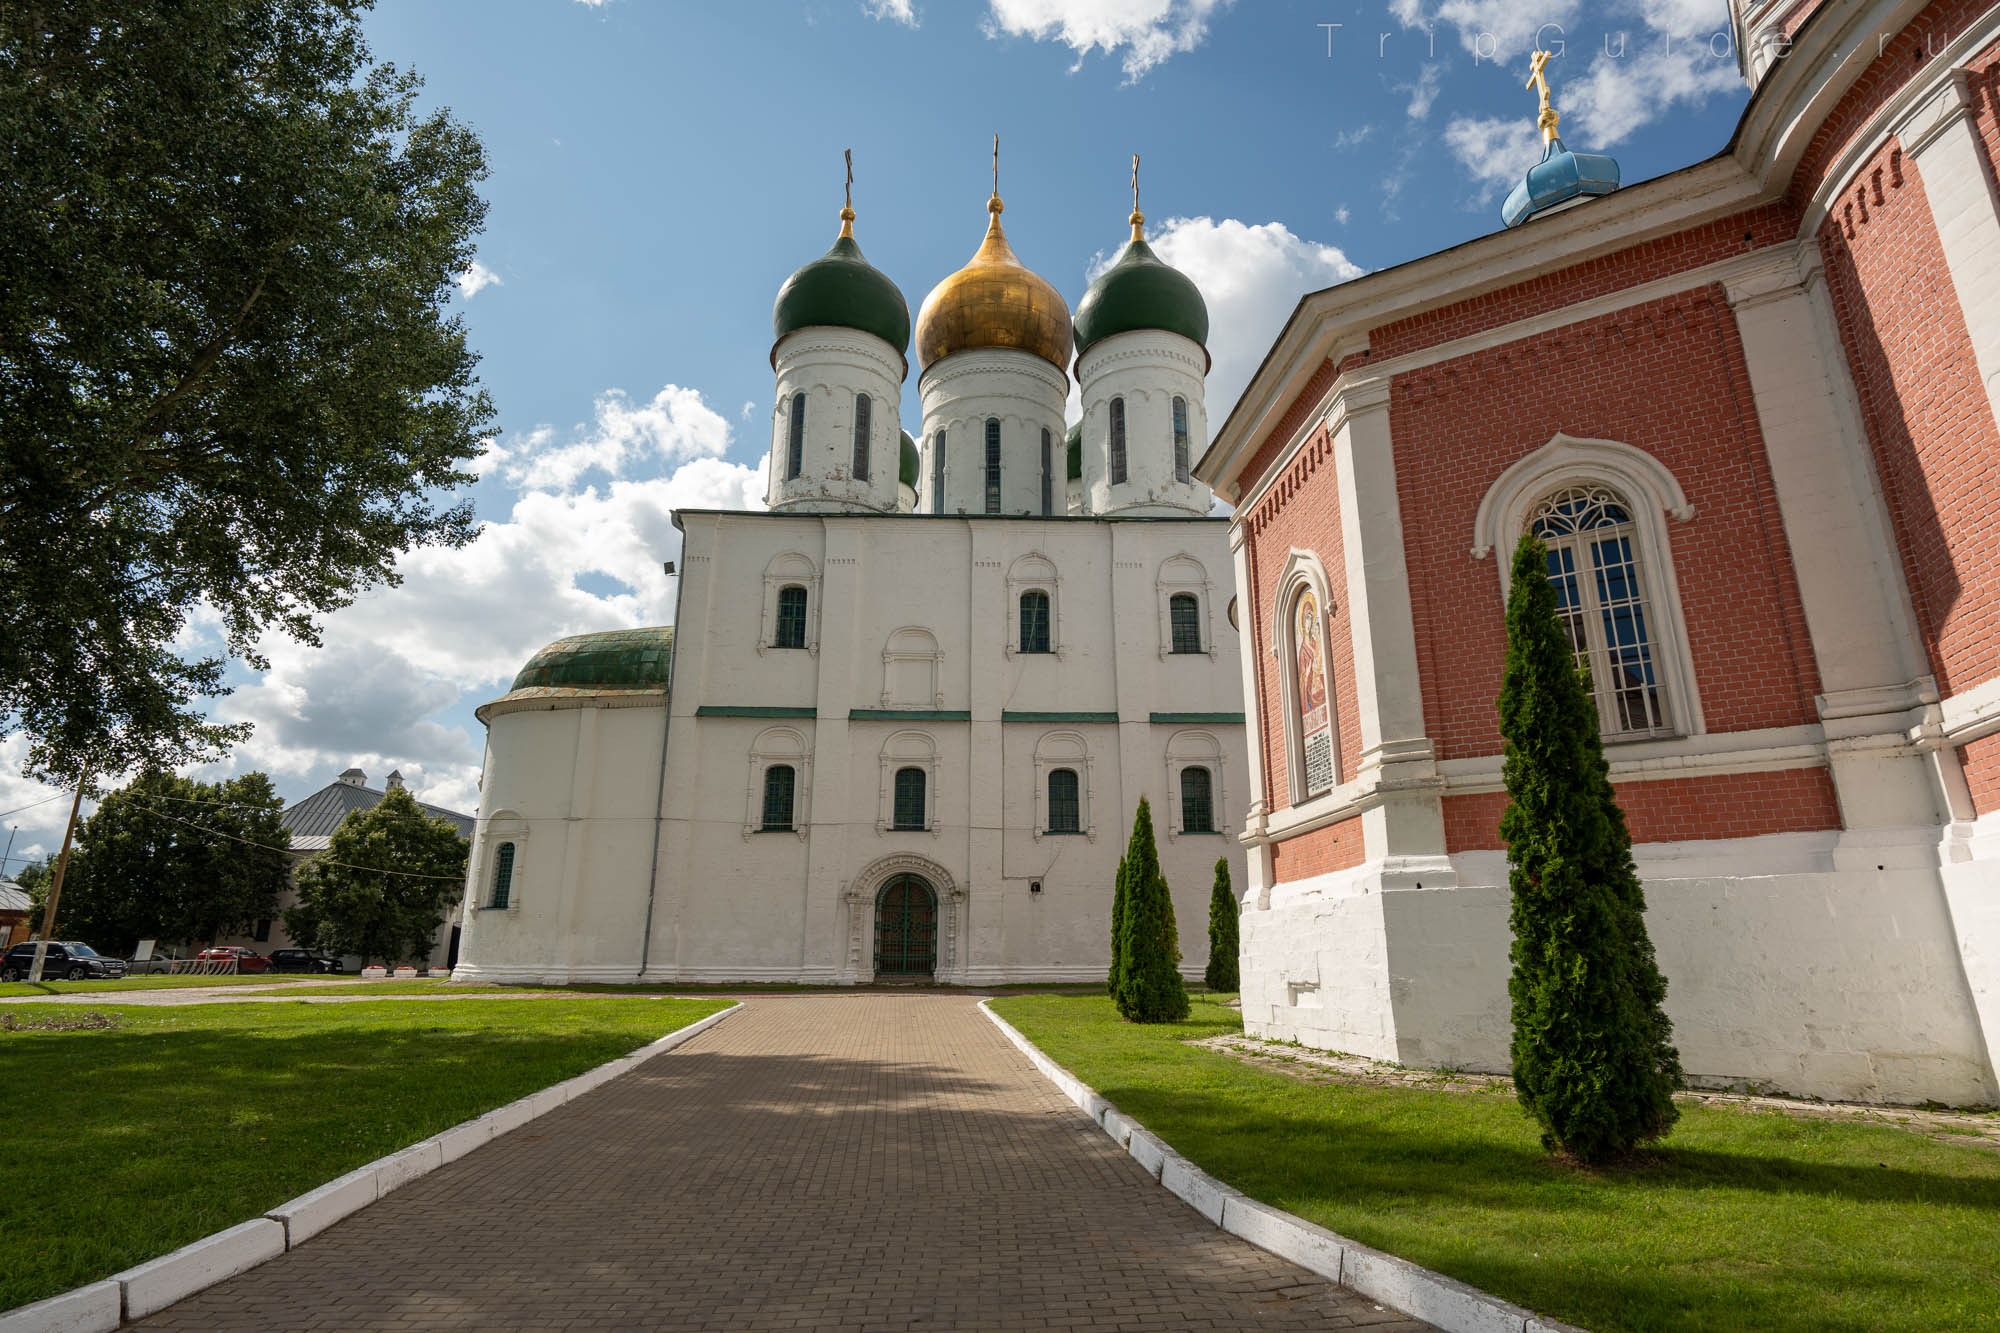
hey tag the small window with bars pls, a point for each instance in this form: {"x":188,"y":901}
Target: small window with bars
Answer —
{"x":791,"y":617}
{"x":503,"y":875}
{"x":1197,"y":801}
{"x":1599,"y":584}
{"x":1181,"y":460}
{"x":910,"y":812}
{"x":1117,"y":441}
{"x":937,"y":473}
{"x":1065,"y":801}
{"x":1034,"y":622}
{"x":992,"y":465}
{"x":864,"y":414}
{"x":795,"y":439}
{"x":780,"y":787}
{"x":1048,"y":474}
{"x":1184,"y":621}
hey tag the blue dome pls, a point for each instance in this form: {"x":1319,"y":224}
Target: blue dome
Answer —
{"x":1559,"y":177}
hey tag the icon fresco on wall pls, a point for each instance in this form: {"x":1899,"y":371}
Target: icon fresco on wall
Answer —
{"x":1313,"y":711}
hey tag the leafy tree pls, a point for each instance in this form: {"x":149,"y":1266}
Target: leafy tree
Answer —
{"x":169,"y":858}
{"x":1594,"y":1060}
{"x":1118,"y":896}
{"x":1222,"y":944}
{"x":228,"y":239}
{"x":1150,"y":989}
{"x":34,"y":881}
{"x":382,"y":886}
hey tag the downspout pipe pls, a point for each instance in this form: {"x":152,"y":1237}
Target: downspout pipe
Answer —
{"x":660,"y":793}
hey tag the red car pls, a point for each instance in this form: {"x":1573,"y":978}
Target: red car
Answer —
{"x":246,"y":960}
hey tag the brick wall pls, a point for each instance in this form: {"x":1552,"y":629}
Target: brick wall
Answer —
{"x":1982,"y":772}
{"x":1924,"y":408}
{"x":1335,"y":847}
{"x":1666,"y":377}
{"x":1735,"y":805}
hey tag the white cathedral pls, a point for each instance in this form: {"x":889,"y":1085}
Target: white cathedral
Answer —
{"x":901,"y":722}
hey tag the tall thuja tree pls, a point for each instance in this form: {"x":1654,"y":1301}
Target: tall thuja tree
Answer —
{"x":1118,"y":927}
{"x":1594,"y":1060}
{"x":1150,"y":989}
{"x":1222,"y":974}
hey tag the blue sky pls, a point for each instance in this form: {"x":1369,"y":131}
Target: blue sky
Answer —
{"x":659,"y":168}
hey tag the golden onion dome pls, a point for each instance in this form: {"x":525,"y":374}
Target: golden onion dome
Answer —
{"x":994,"y":301}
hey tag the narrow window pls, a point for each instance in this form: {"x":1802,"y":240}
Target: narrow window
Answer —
{"x":1184,"y":616}
{"x":1180,"y":440}
{"x":263,"y":930}
{"x":1048,"y":474}
{"x":864,"y":412}
{"x":1600,"y":595}
{"x":503,"y":873}
{"x":910,"y":799}
{"x":1197,"y":801}
{"x":993,"y":465}
{"x":1034,"y":622}
{"x":780,"y":782}
{"x":795,"y":440}
{"x":791,"y":617}
{"x":937,"y":473}
{"x":1065,"y":809}
{"x":1117,"y":441}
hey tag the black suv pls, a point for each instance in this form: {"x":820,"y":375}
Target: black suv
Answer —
{"x":304,"y":960}
{"x":65,"y":958}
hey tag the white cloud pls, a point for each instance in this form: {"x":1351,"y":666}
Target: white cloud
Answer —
{"x":1496,"y":150}
{"x":1346,"y":139}
{"x":1341,"y":215}
{"x":894,"y":11}
{"x":675,"y":425}
{"x":1148,"y":32}
{"x":749,"y":406}
{"x":1424,"y":92}
{"x":477,"y":279}
{"x":1251,"y":277}
{"x":1497,"y":30}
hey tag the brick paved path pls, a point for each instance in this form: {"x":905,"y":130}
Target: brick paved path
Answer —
{"x":817,"y":1162}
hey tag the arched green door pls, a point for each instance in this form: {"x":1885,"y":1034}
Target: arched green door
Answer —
{"x":906,"y":928}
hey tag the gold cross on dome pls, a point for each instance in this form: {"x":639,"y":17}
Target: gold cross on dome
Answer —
{"x":1538,"y":79}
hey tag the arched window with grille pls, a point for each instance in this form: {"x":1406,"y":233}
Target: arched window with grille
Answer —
{"x":780,"y":788}
{"x":993,"y":465}
{"x":864,"y":422}
{"x":795,"y":438}
{"x":1197,"y":801}
{"x":1048,"y":473}
{"x":1117,"y":441}
{"x":1034,"y":622}
{"x":1600,"y":586}
{"x":503,"y":875}
{"x":937,"y":473}
{"x":1182,"y":463}
{"x":1065,"y":803}
{"x":791,"y":618}
{"x":910,"y":812}
{"x":1184,"y":619}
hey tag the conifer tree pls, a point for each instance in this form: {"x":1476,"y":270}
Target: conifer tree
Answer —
{"x":1118,"y":928}
{"x":1593,"y":1056}
{"x":1150,"y":989}
{"x":1222,"y":974}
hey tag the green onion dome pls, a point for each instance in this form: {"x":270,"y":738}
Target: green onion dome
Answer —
{"x":1076,"y":451}
{"x":1140,"y":291}
{"x":912,"y":465}
{"x":843,"y":290}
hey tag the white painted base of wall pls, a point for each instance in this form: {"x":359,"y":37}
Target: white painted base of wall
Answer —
{"x":1790,"y":968}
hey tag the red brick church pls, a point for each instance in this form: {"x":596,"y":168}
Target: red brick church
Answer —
{"x":1751,"y":409}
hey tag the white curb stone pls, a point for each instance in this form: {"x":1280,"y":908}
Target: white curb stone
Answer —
{"x":399,"y":1169}
{"x":459,"y":1140}
{"x":316,"y":1210}
{"x":158,"y":1283}
{"x":91,"y":1309}
{"x":1450,"y":1304}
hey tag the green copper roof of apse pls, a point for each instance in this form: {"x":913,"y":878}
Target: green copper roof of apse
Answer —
{"x":619,"y":659}
{"x":1140,"y":291}
{"x":912,"y":463}
{"x":1075,"y":451}
{"x":842,"y":289}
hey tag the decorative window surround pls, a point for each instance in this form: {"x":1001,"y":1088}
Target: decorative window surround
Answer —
{"x":920,"y":685}
{"x":505,"y":826}
{"x":1064,"y":749}
{"x":779,"y":745}
{"x":1654,"y":495}
{"x":908,"y":749}
{"x":1303,"y":573}
{"x":859,"y":899}
{"x":1196,"y":749}
{"x":789,"y":569}
{"x":1183,"y":573}
{"x":1035,"y":572}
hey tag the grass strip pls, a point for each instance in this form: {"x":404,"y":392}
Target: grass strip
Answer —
{"x":15,"y":989}
{"x":1743,"y":1220}
{"x":129,"y":1141}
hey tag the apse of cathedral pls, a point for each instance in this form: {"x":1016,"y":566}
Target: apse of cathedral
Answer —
{"x":903,"y":718}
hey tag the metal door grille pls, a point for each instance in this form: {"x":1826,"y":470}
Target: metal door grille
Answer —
{"x":905,"y":928}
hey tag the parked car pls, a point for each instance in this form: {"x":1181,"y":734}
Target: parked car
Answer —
{"x":246,"y":960}
{"x":304,"y":960}
{"x":65,"y":958}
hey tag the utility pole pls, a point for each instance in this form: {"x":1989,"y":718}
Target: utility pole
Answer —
{"x":9,"y":854}
{"x":55,"y":886}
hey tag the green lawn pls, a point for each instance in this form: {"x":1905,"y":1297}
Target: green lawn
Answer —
{"x":125,"y":1143}
{"x":1749,"y":1220}
{"x":12,"y":989}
